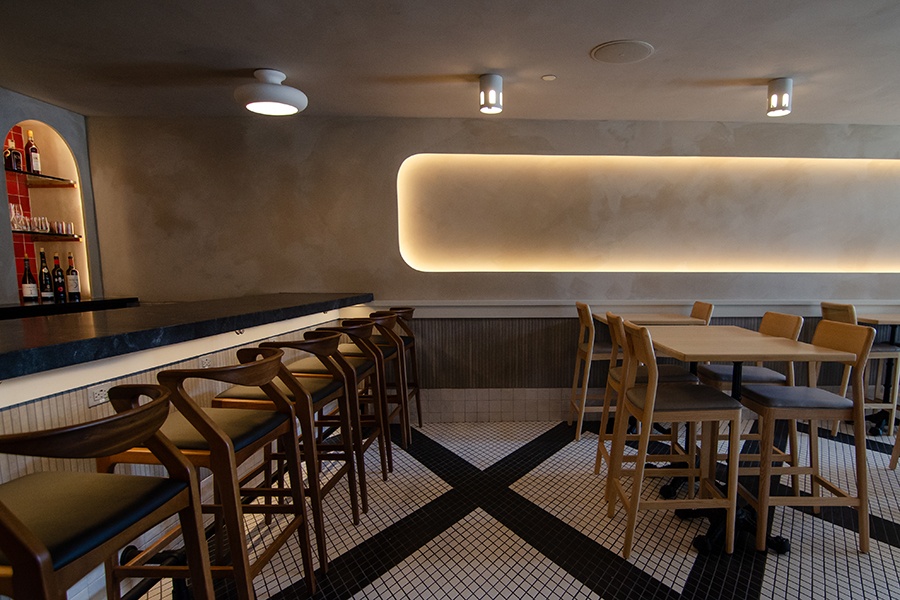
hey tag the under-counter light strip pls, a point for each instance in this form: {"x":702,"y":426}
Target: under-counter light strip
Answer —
{"x":525,"y":213}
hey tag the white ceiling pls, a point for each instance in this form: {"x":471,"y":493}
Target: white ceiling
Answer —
{"x":422,"y":58}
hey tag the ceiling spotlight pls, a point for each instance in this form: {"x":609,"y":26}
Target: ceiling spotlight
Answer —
{"x":780,"y":96}
{"x":269,"y":97}
{"x":491,"y":96}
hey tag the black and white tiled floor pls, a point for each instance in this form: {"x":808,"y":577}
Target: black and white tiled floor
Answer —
{"x":513,"y":510}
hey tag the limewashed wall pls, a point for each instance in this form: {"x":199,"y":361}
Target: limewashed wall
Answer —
{"x":201,"y":208}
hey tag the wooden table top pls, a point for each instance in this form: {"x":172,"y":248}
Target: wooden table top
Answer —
{"x":728,"y":343}
{"x":648,"y":319}
{"x":879,"y":319}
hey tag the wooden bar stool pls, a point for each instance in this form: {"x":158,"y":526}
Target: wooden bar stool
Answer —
{"x":881,"y":353}
{"x":589,"y":350}
{"x":615,"y":383}
{"x":673,"y":403}
{"x":397,"y":388}
{"x":394,"y":405}
{"x":57,"y":526}
{"x":224,"y":439}
{"x":311,"y":398}
{"x":801,"y":403}
{"x":408,"y":336}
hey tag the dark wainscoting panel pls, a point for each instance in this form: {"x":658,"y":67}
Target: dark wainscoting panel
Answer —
{"x":529,"y":353}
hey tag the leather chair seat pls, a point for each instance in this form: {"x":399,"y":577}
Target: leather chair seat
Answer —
{"x":799,"y":397}
{"x":78,"y":511}
{"x":244,"y":427}
{"x":667,"y":374}
{"x":314,"y":366}
{"x":318,"y":388}
{"x":349,"y":350}
{"x":678,"y":397}
{"x":749,"y":374}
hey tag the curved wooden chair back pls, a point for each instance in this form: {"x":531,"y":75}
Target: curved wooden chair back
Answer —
{"x":843,"y":313}
{"x":617,"y":337}
{"x":100,"y":437}
{"x":258,"y":368}
{"x":781,"y":325}
{"x":404,"y":316}
{"x":640,"y":351}
{"x":848,"y":338}
{"x":587,"y":332}
{"x":702,"y":310}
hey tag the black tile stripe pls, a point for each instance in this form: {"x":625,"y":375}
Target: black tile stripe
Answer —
{"x":599,"y":569}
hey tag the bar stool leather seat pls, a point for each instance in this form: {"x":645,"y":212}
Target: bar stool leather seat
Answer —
{"x":749,"y":374}
{"x":57,"y":526}
{"x":106,"y":506}
{"x":799,"y":397}
{"x":244,"y":427}
{"x":667,"y":374}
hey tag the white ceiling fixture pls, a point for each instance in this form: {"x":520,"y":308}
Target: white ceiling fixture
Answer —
{"x":490,"y":96}
{"x":781,"y":92}
{"x":268,"y":96}
{"x":621,"y":51}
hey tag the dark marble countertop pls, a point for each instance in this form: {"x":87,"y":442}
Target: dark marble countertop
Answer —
{"x":36,"y":344}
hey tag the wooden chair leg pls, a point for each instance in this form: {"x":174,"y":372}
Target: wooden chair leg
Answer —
{"x":415,"y":377}
{"x":734,"y":449}
{"x":766,"y":443}
{"x":815,"y":488}
{"x":614,"y":468}
{"x":580,"y":400}
{"x":234,"y":525}
{"x":794,"y":459}
{"x":604,"y":423}
{"x":634,"y":502}
{"x":862,"y":483}
{"x":197,"y":550}
{"x":895,"y":455}
{"x":895,"y":383}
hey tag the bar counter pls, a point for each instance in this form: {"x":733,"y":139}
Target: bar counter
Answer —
{"x":38,"y":344}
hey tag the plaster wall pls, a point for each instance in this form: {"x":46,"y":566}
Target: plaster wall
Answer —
{"x":200,"y":208}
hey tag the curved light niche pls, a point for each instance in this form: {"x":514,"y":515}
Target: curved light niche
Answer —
{"x":523,"y":213}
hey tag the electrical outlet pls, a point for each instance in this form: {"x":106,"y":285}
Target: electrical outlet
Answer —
{"x":97,"y":395}
{"x":205,"y":362}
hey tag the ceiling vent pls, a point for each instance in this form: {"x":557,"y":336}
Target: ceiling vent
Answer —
{"x":621,"y":51}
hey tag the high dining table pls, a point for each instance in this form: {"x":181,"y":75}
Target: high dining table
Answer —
{"x":729,"y":343}
{"x":893,"y":320}
{"x":647,"y":319}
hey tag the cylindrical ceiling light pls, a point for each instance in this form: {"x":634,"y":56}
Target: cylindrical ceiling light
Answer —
{"x":780,"y":96}
{"x":491,"y":95}
{"x":269,"y":97}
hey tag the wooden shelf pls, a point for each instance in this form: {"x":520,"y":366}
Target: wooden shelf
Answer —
{"x":33,"y":180}
{"x":50,"y":237}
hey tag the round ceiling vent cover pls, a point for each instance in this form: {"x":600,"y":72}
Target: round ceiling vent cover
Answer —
{"x":621,"y":51}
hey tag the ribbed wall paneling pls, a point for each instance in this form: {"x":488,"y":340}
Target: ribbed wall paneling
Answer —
{"x":534,"y":353}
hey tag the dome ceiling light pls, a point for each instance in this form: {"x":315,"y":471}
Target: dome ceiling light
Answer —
{"x":269,"y":97}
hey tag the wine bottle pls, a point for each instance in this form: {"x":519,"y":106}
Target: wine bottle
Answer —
{"x":45,"y":281}
{"x":12,"y":158}
{"x":59,"y":281}
{"x":29,"y":285}
{"x":73,"y":283}
{"x":32,"y":156}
